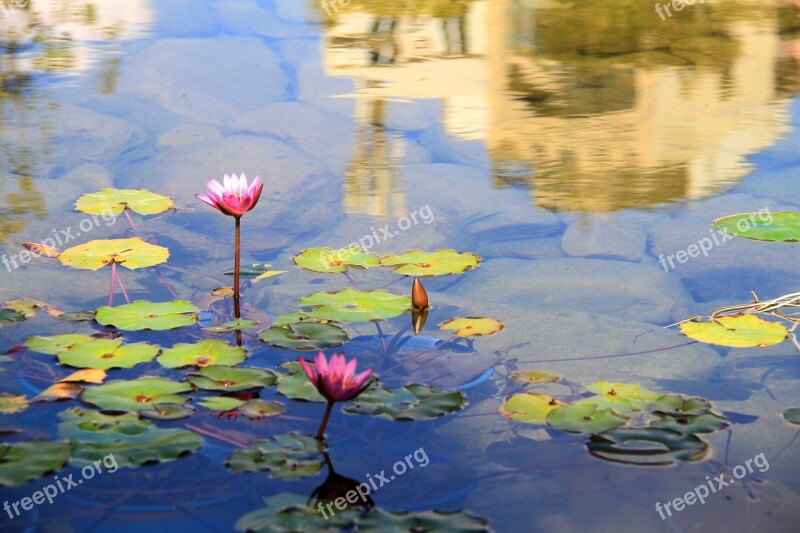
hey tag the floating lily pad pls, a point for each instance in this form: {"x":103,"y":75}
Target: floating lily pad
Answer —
{"x":25,"y":461}
{"x":256,"y":270}
{"x":54,"y":344}
{"x":107,"y":353}
{"x":792,"y":415}
{"x":261,"y":409}
{"x":231,"y":379}
{"x":131,"y":253}
{"x":221,"y":403}
{"x":77,"y":316}
{"x":149,"y":315}
{"x":744,"y":331}
{"x":779,"y":227}
{"x":87,"y":375}
{"x":535,"y":377}
{"x":59,"y":391}
{"x":296,"y":385}
{"x":584,"y":419}
{"x":351,"y":305}
{"x":646,"y":446}
{"x":296,"y":518}
{"x":328,"y":260}
{"x":234,"y":325}
{"x":706,"y":423}
{"x":622,"y":397}
{"x":305,"y":336}
{"x":28,"y":307}
{"x":9,"y":316}
{"x":677,"y":405}
{"x":289,"y":456}
{"x":133,"y":442}
{"x":114,"y":201}
{"x":10,"y":404}
{"x":204,"y":353}
{"x":292,"y":318}
{"x":412,"y":402}
{"x":166,"y":411}
{"x":380,"y":520}
{"x":418,"y":263}
{"x":136,"y":394}
{"x":528,"y":407}
{"x":472,"y":326}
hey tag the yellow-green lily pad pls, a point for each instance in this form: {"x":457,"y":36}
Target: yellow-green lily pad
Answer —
{"x":677,"y":405}
{"x":231,"y":378}
{"x":584,"y":418}
{"x":472,"y":326}
{"x":260,"y":409}
{"x":305,"y":336}
{"x":291,"y":456}
{"x":234,"y":325}
{"x":166,"y":411}
{"x":204,"y":353}
{"x":115,"y":201}
{"x":327,"y":260}
{"x":56,"y":343}
{"x":351,"y":305}
{"x":744,"y":331}
{"x":221,"y":403}
{"x":528,"y":407}
{"x":705,"y":423}
{"x":11,"y":403}
{"x":534,"y":377}
{"x":141,"y":315}
{"x":441,"y":262}
{"x":137,"y":394}
{"x":21,"y":462}
{"x":131,"y":253}
{"x":771,"y":227}
{"x":292,"y":318}
{"x":107,"y":353}
{"x":622,"y":397}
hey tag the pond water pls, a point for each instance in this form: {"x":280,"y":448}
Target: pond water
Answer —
{"x":581,"y":150}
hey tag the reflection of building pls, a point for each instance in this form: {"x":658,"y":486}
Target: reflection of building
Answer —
{"x":590,"y":119}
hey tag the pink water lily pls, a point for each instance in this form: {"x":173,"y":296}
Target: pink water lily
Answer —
{"x":336,"y":381}
{"x":233,"y":196}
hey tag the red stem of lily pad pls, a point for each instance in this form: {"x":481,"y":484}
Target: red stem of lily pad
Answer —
{"x":324,"y":424}
{"x":115,"y":274}
{"x":113,"y":280}
{"x":128,"y":215}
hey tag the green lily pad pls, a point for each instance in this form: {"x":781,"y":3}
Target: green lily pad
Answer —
{"x":256,"y":270}
{"x":706,"y":423}
{"x":412,"y":402}
{"x":131,"y":253}
{"x":380,"y":520}
{"x":204,"y":353}
{"x":291,"y":456}
{"x":296,"y":385}
{"x":231,"y":379}
{"x":107,"y":353}
{"x":262,"y":409}
{"x":305,"y":336}
{"x":77,"y":316}
{"x":792,"y":415}
{"x":779,"y":227}
{"x":137,"y":394}
{"x":622,"y":397}
{"x":528,"y":407}
{"x":9,"y":316}
{"x":54,"y":344}
{"x":234,"y":325}
{"x":166,"y":411}
{"x":677,"y":405}
{"x":133,"y":442}
{"x":584,"y":419}
{"x":351,"y":305}
{"x":114,"y":201}
{"x":292,"y":318}
{"x":646,"y":446}
{"x":744,"y":331}
{"x":296,"y":518}
{"x":534,"y":377}
{"x":25,"y":461}
{"x":328,"y":260}
{"x":472,"y":326}
{"x":221,"y":403}
{"x":148,"y":315}
{"x":11,"y":403}
{"x":418,"y":263}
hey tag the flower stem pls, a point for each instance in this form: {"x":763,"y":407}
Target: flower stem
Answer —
{"x":324,"y":424}
{"x":113,"y":281}
{"x":236,"y":243}
{"x":119,"y":280}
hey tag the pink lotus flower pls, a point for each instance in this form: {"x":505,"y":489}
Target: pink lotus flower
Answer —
{"x":336,"y":381}
{"x":232,"y":197}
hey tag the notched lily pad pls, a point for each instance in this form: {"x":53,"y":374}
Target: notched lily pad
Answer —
{"x":142,"y":315}
{"x":136,"y":394}
{"x":107,"y":353}
{"x":677,"y":405}
{"x":115,"y":201}
{"x":21,"y":462}
{"x":131,"y":253}
{"x":351,"y":305}
{"x":204,"y":353}
{"x":305,"y":336}
{"x":412,"y":402}
{"x":166,"y":411}
{"x":296,"y":518}
{"x":646,"y":446}
{"x":441,"y":262}
{"x":11,"y":403}
{"x":327,"y":260}
{"x":234,"y":325}
{"x":220,"y":403}
{"x":584,"y":419}
{"x":622,"y":397}
{"x":778,"y":227}
{"x":744,"y":331}
{"x":705,"y":423}
{"x":380,"y":520}
{"x":54,"y":344}
{"x":231,"y":379}
{"x":291,"y":456}
{"x":534,"y":377}
{"x":472,"y":326}
{"x":260,"y":409}
{"x":529,"y":407}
